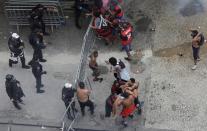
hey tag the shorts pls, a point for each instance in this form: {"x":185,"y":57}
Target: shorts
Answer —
{"x":196,"y":52}
{"x":127,"y":47}
{"x":128,"y":111}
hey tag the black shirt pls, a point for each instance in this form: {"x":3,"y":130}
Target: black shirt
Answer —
{"x":68,"y":94}
{"x":36,"y":69}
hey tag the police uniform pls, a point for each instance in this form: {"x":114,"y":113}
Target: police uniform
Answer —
{"x":36,"y":18}
{"x":36,"y":41}
{"x":16,"y":47}
{"x":38,"y":72}
{"x":14,"y":90}
{"x":67,"y":95}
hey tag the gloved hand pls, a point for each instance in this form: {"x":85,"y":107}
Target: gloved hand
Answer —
{"x":44,"y":72}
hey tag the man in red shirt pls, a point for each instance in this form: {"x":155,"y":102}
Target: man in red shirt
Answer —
{"x":126,"y":38}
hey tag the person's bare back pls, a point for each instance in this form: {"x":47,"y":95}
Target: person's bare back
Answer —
{"x":93,"y":57}
{"x":128,"y":101}
{"x":83,"y":94}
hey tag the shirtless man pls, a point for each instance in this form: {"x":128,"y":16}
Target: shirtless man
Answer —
{"x":94,"y":66}
{"x":132,"y":89}
{"x":83,"y":98}
{"x":127,"y":102}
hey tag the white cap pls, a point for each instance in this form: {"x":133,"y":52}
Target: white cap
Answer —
{"x":68,"y":85}
{"x":15,"y":35}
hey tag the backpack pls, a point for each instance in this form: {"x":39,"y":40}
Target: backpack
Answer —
{"x":121,"y":64}
{"x":202,"y":40}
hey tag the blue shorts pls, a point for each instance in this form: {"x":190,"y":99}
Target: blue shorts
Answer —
{"x":127,"y":48}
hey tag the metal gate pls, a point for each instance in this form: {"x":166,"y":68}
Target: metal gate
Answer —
{"x":17,"y":12}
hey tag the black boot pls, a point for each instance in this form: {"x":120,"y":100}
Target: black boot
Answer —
{"x":40,"y":91}
{"x":10,"y":63}
{"x":42,"y":60}
{"x":16,"y":105}
{"x":23,"y":63}
{"x":69,"y":116}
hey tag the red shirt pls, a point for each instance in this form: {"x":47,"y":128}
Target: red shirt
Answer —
{"x":126,"y":36}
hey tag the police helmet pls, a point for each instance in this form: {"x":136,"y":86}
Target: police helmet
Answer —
{"x":15,"y":36}
{"x":9,"y":77}
{"x":68,"y":85}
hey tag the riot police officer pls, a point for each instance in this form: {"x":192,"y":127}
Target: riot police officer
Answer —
{"x":14,"y":90}
{"x":16,"y":47}
{"x":67,"y":95}
{"x":36,"y":18}
{"x":38,"y":72}
{"x":37,"y":43}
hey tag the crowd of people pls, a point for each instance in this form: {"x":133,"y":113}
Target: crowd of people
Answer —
{"x":109,"y":24}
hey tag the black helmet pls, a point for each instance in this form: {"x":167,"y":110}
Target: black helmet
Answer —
{"x":9,"y":77}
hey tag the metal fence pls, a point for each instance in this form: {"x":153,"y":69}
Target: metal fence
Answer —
{"x":18,"y":11}
{"x":88,"y":42}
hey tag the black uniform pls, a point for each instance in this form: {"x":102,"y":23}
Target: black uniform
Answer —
{"x":80,"y":6}
{"x":37,"y":72}
{"x":36,"y":41}
{"x":16,"y":46}
{"x":14,"y":90}
{"x":67,"y":96}
{"x":36,"y":18}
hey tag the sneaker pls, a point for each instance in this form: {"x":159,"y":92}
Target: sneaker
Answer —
{"x":127,"y":58}
{"x":194,"y":67}
{"x":124,"y":123}
{"x":198,"y":59}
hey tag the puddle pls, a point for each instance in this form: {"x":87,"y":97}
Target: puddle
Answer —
{"x":181,"y":50}
{"x":192,"y":8}
{"x":178,"y":50}
{"x":103,"y":69}
{"x":142,"y":25}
